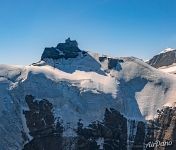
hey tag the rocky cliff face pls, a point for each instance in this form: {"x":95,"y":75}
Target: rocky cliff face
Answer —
{"x":109,"y":133}
{"x":161,"y":132}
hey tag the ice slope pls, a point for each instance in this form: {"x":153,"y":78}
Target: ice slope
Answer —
{"x":10,"y":118}
{"x":157,"y":91}
{"x":132,"y":87}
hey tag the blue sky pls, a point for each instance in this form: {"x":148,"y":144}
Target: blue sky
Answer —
{"x":140,"y":28}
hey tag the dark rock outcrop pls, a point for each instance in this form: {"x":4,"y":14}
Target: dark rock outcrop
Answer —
{"x":114,"y":64}
{"x":102,"y":58}
{"x":140,"y":137}
{"x":66,"y":50}
{"x":68,"y":46}
{"x":113,"y":131}
{"x":42,"y":127}
{"x":51,"y":53}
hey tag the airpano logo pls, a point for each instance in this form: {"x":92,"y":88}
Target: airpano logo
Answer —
{"x":158,"y":143}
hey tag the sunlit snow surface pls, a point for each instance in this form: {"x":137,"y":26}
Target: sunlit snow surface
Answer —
{"x":169,"y":69}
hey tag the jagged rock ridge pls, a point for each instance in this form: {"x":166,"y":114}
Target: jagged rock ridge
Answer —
{"x":66,"y":50}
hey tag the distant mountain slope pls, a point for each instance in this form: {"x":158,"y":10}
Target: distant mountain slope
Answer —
{"x":74,"y":99}
{"x":165,"y":58}
{"x":165,"y":61}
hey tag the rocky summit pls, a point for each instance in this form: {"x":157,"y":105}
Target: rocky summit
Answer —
{"x":66,"y":50}
{"x":73,"y":99}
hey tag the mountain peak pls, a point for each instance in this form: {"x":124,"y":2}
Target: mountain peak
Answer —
{"x":167,"y":50}
{"x":68,"y":49}
{"x":70,"y":45}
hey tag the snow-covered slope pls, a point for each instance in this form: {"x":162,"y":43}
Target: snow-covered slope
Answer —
{"x":169,"y":69}
{"x":78,"y":89}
